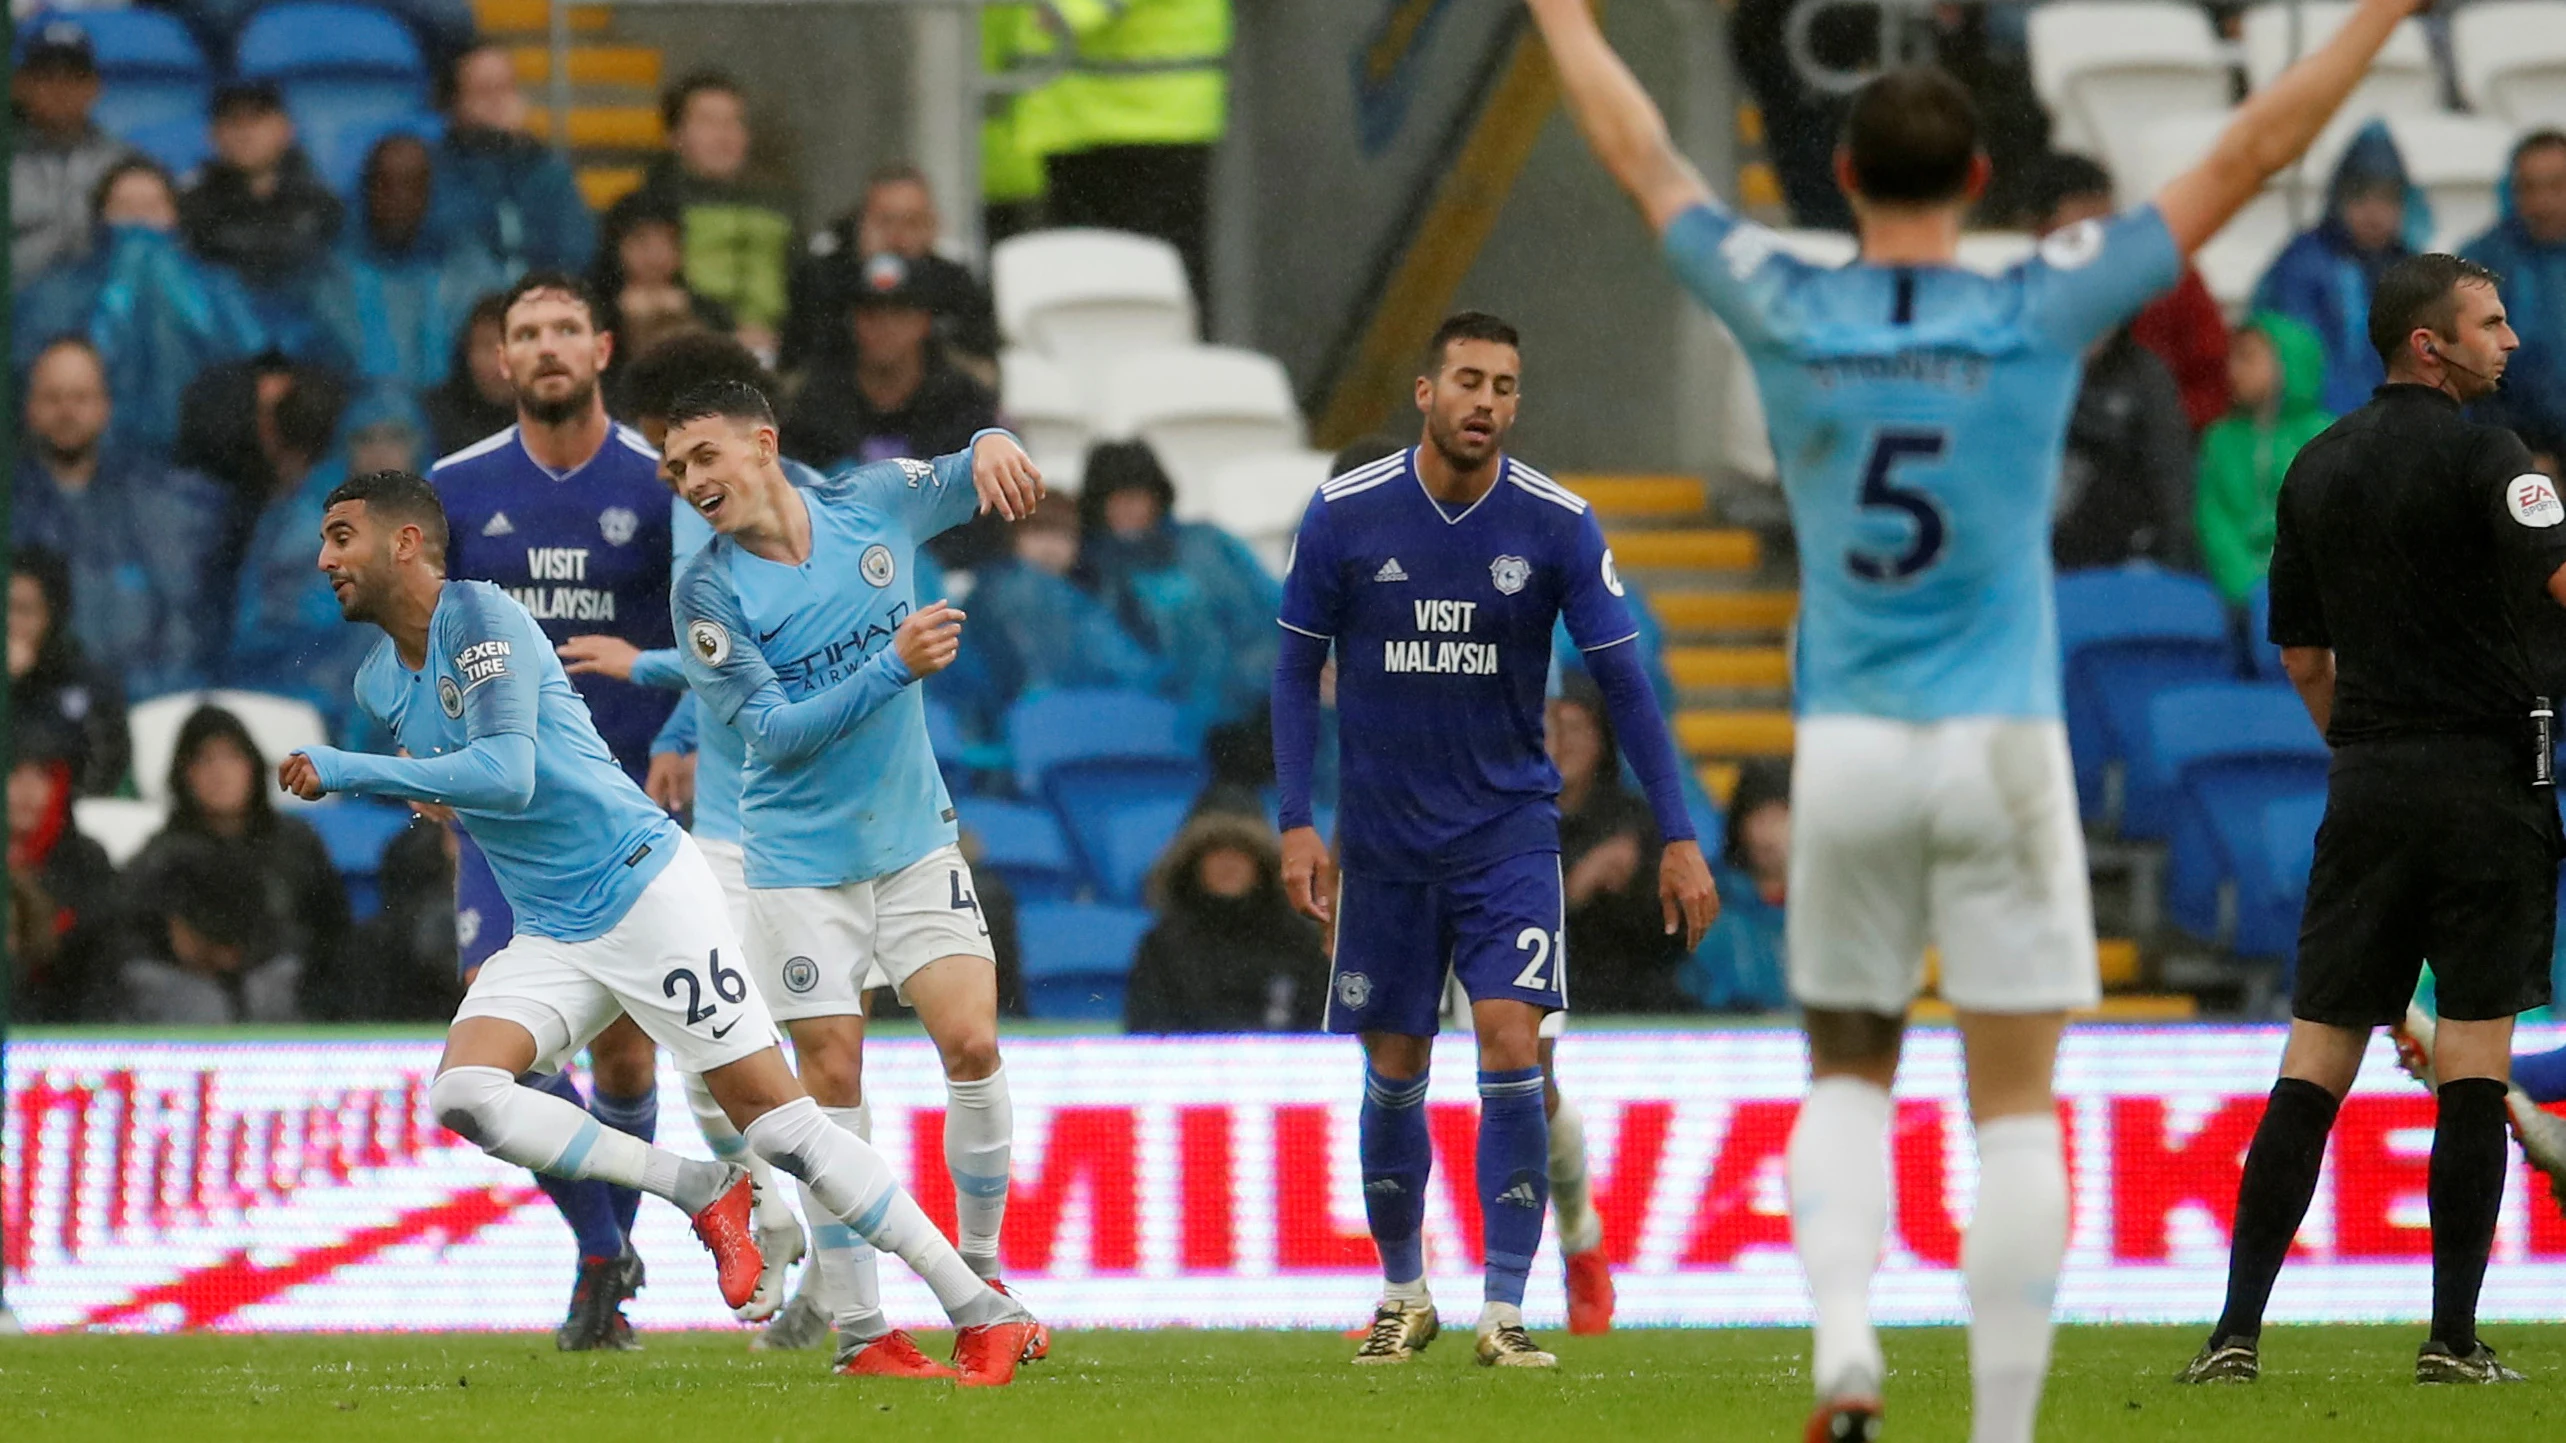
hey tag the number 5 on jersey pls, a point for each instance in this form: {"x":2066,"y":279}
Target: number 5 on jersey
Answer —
{"x":1882,"y":492}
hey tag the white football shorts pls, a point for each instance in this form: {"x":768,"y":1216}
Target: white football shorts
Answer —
{"x":673,"y":964}
{"x":1962,"y":834}
{"x":817,"y":950}
{"x":1456,"y":1012}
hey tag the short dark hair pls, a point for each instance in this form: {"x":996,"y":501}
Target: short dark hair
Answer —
{"x":1364,"y":450}
{"x":897,"y":172}
{"x":2540,"y":139}
{"x":674,"y":100}
{"x":2420,"y":291}
{"x":1912,"y":134}
{"x":403,"y":497}
{"x":1468,"y":326}
{"x":449,"y":78}
{"x":551,"y":280}
{"x":732,"y":400}
{"x":2063,"y":177}
{"x":132,"y":163}
{"x":684,"y":363}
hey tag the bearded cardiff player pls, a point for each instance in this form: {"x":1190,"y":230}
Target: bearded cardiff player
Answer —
{"x":616,"y":914}
{"x":1918,"y":410}
{"x":1436,"y":576}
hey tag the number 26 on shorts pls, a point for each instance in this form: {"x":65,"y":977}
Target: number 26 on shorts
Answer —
{"x":728,"y":984}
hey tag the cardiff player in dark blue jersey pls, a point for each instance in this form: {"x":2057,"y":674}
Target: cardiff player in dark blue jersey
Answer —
{"x":1436,"y":576}
{"x":1919,"y":411}
{"x":566,"y":513}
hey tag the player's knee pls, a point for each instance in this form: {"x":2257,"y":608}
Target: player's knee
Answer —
{"x":1863,"y":1044}
{"x":467,"y":1099}
{"x":972,"y":1055}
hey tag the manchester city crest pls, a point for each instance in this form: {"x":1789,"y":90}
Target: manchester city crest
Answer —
{"x":801,"y":974}
{"x":710,"y":640}
{"x":618,"y":525}
{"x":876,"y":564}
{"x":1510,"y":573}
{"x":449,"y":697}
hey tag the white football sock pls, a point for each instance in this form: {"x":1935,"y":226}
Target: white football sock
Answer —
{"x":847,"y":1282}
{"x":2011,"y":1258}
{"x":851,"y":1182}
{"x":1839,"y":1169}
{"x":1581,"y":1228}
{"x":540,"y":1132}
{"x":774,"y":1209}
{"x":979,"y":1141}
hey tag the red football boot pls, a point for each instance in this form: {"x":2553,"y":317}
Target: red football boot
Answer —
{"x":1845,"y":1420}
{"x":1590,"y":1293}
{"x":1038,"y":1346}
{"x":893,"y":1355}
{"x":987,"y":1355}
{"x":728,"y":1233}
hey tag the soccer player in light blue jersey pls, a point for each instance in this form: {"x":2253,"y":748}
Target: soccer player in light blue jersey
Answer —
{"x":616,"y":913}
{"x":801,"y":629}
{"x":1917,"y":412}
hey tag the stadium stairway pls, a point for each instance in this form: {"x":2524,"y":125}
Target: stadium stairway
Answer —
{"x":614,"y":114}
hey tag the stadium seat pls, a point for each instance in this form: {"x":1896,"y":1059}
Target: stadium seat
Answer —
{"x":119,"y":824}
{"x":2457,"y":161}
{"x":1023,"y":843}
{"x":179,"y":143}
{"x":1077,"y":957}
{"x":1053,"y":413}
{"x":2222,"y":882}
{"x":1050,"y":729}
{"x":341,"y":67}
{"x":2262,"y":658}
{"x":278,"y":724}
{"x":1123,"y":818}
{"x":2234,"y":726}
{"x":2105,"y":68}
{"x":1083,"y":297}
{"x":2402,"y":81}
{"x":2234,"y":260}
{"x":2267,"y":918}
{"x":1119,"y":768}
{"x":339,"y":151}
{"x":2124,"y":634}
{"x":150,"y":70}
{"x":355,"y":832}
{"x":1259,"y":499}
{"x":1199,"y":407}
{"x":2510,"y":60}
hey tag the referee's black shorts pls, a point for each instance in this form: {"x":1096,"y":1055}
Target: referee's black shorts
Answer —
{"x":2433,"y":849}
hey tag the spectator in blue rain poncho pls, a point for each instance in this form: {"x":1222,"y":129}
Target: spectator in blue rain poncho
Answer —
{"x":2323,"y":278}
{"x":1033,"y":629}
{"x":1742,"y":964}
{"x":2527,"y":248}
{"x":499,"y":186}
{"x":399,"y":290}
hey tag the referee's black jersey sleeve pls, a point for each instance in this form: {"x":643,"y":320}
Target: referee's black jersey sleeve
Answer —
{"x":2298,"y":609}
{"x":2525,"y":510}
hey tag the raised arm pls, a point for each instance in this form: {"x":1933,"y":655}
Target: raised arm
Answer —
{"x":1620,"y":123}
{"x":2275,"y":126}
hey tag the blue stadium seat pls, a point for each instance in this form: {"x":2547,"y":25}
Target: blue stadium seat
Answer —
{"x":355,"y":833}
{"x":341,"y":67}
{"x":2125,"y":634}
{"x":149,"y":67}
{"x":1047,"y":729}
{"x":2268,"y":906}
{"x":1121,"y":813}
{"x":1077,"y":957}
{"x":1024,"y":845}
{"x":180,"y":143}
{"x":2223,"y":846}
{"x":2262,"y":658}
{"x":2251,"y":725}
{"x":339,"y":149}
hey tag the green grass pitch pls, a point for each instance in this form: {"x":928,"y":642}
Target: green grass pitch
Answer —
{"x":2109,"y":1384}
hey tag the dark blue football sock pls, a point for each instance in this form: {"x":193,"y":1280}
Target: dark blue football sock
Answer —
{"x":1514,"y":1177}
{"x":638,"y":1116}
{"x":1397,"y":1155}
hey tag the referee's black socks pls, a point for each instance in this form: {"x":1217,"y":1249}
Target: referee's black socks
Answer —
{"x":2466,"y":1188}
{"x":2272,"y":1198}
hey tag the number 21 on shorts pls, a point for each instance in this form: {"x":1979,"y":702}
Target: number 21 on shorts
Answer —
{"x":1537,"y":975}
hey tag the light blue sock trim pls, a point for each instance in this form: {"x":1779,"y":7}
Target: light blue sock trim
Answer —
{"x":873,"y":1216}
{"x":583,"y":1142}
{"x":979,"y":1185}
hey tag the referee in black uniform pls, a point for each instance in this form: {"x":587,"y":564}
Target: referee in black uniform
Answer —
{"x":2416,"y":558}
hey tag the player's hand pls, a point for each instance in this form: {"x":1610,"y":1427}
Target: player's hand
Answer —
{"x":671,"y":781}
{"x":929,"y":639}
{"x":1309,"y":876}
{"x":1685,"y":888}
{"x":437,"y":812}
{"x":296,"y":774}
{"x":599,"y":656}
{"x":1007,"y":479}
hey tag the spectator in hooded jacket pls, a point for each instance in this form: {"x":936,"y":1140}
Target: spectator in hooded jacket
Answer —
{"x":1742,"y":964}
{"x":60,"y":154}
{"x":739,"y":236}
{"x":1608,"y":848}
{"x":408,"y":973}
{"x":62,"y":704}
{"x":1228,"y":953}
{"x":399,"y":289}
{"x":1034,"y":629}
{"x":2183,"y":327}
{"x":139,"y":538}
{"x":260,"y":209}
{"x":2527,"y":248}
{"x":2275,"y":368}
{"x":156,"y":315}
{"x":62,"y":894}
{"x":287,"y":636}
{"x":499,"y":186}
{"x":2324,"y":277}
{"x":205,"y":957}
{"x":476,"y":399}
{"x":898,"y":217}
{"x":2125,"y":480}
{"x":220,"y":798}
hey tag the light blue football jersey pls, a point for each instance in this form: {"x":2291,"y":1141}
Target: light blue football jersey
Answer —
{"x":1917,"y":415}
{"x":870,"y":801}
{"x":575,"y":858}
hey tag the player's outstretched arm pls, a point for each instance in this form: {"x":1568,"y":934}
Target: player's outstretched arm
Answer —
{"x":493,"y":774}
{"x":1621,"y":124}
{"x":2275,"y":126}
{"x":791,"y":733}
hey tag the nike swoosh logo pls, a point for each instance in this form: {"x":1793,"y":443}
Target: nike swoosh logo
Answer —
{"x":764,"y":637}
{"x":725,"y":1029}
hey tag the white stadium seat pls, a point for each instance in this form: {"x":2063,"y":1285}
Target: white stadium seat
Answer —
{"x":1199,"y":408}
{"x":118,"y":824}
{"x":1051,"y":411}
{"x":2510,"y":57}
{"x":2402,"y":81}
{"x":2235,"y":258}
{"x":2106,"y":67}
{"x":1083,"y":297}
{"x":279,"y":724}
{"x":1259,"y":499}
{"x":2456,"y":160}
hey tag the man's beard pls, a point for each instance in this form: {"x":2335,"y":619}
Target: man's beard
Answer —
{"x":63,"y":458}
{"x":1448,"y":444}
{"x":553,"y":413}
